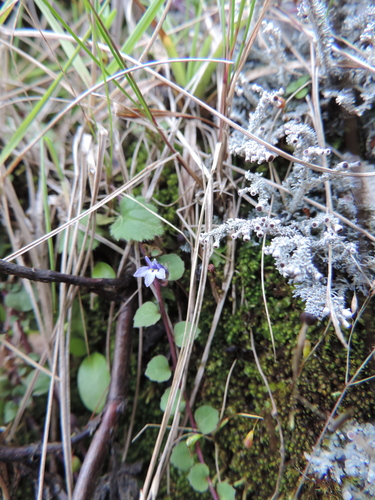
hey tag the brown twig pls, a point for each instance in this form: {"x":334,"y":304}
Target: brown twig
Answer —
{"x":114,"y":408}
{"x":99,"y":286}
{"x":32,"y":452}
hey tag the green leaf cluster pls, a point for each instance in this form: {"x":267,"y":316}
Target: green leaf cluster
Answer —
{"x":207,"y":420}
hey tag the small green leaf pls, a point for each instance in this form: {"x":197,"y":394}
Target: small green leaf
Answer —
{"x":296,"y":84}
{"x":103,"y":220}
{"x":147,"y":315}
{"x":10,"y":411}
{"x":76,"y":464}
{"x":302,"y":93}
{"x":41,"y":385}
{"x":158,"y":369}
{"x":191,"y":440}
{"x":179,"y":329}
{"x":164,"y":400}
{"x":103,"y":270}
{"x":2,"y":313}
{"x":181,"y":457}
{"x":174,"y":264}
{"x":18,"y":299}
{"x":226,"y":491}
{"x":93,"y":381}
{"x":206,"y":418}
{"x":135,"y":222}
{"x":198,"y":477}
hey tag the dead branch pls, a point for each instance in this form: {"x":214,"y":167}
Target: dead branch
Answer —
{"x":32,"y":452}
{"x":108,"y":288}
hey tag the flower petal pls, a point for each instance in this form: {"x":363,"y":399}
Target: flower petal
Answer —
{"x":161,"y":274}
{"x":142,"y":272}
{"x":149,"y":278}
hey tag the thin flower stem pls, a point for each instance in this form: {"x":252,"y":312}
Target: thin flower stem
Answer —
{"x":166,"y":322}
{"x":172,"y":346}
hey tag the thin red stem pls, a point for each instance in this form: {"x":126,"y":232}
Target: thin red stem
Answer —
{"x":172,"y":345}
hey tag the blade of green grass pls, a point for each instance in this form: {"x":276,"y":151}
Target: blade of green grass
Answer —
{"x":118,"y":57}
{"x":67,"y":46}
{"x":6,"y":9}
{"x":95,"y":31}
{"x":191,"y":67}
{"x":29,"y":119}
{"x":247,"y":28}
{"x":81,"y":43}
{"x":178,"y":68}
{"x":137,"y":34}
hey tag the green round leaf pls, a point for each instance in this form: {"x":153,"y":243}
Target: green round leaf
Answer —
{"x":93,"y":381}
{"x":181,"y":457}
{"x":103,"y":270}
{"x":164,"y":400}
{"x":198,"y":477}
{"x":18,"y":299}
{"x":147,"y":315}
{"x":174,"y":264}
{"x":135,"y":222}
{"x":41,"y":385}
{"x":206,"y":418}
{"x":179,"y":329}
{"x":158,"y":369}
{"x":226,"y":491}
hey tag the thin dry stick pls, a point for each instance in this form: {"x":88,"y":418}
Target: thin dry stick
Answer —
{"x":129,"y":429}
{"x":27,"y":359}
{"x":47,"y":422}
{"x":98,"y":205}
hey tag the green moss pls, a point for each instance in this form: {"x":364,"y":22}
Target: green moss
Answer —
{"x":302,"y":410}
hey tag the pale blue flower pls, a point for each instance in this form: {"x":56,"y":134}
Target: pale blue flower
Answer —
{"x":151,"y":271}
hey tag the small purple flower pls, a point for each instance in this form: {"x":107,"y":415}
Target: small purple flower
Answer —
{"x":151,"y":271}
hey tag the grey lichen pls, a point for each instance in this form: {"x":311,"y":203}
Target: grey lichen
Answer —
{"x":348,"y":458}
{"x":321,"y":256}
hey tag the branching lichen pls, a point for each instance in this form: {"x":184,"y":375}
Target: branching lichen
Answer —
{"x":314,"y":250}
{"x":348,"y":458}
